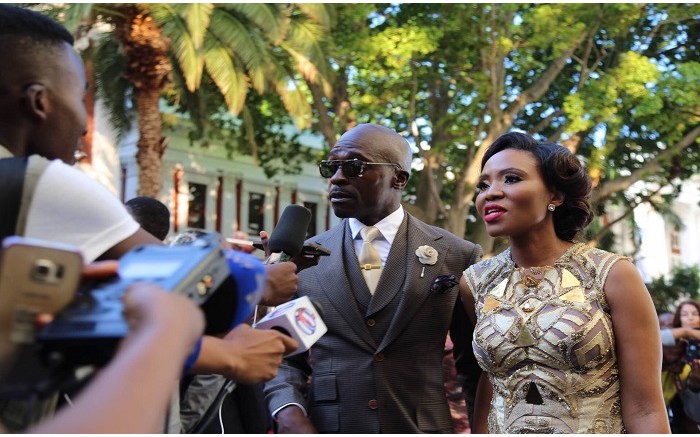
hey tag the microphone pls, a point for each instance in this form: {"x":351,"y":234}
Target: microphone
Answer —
{"x":287,"y":239}
{"x":300,"y":319}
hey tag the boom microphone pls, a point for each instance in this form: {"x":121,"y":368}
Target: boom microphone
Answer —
{"x":288,"y":237}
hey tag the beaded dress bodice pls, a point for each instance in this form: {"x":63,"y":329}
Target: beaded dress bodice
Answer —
{"x":544,"y":336}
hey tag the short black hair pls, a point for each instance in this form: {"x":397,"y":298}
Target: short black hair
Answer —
{"x":151,"y":214}
{"x":21,"y":22}
{"x":561,"y":171}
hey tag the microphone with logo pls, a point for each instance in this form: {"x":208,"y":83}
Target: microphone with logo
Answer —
{"x":287,"y":239}
{"x":300,"y":319}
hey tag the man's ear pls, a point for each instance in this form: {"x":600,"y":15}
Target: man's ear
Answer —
{"x":400,"y":179}
{"x":35,"y":101}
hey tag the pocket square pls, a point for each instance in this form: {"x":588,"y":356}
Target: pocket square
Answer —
{"x":443,"y":283}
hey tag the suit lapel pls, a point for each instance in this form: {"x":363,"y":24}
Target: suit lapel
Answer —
{"x":340,"y":288}
{"x":415,"y":289}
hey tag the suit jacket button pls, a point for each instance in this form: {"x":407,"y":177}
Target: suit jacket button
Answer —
{"x":379,"y":357}
{"x":371,"y":322}
{"x":372,"y":404}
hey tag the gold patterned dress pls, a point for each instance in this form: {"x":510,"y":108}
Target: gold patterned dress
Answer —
{"x":544,"y":336}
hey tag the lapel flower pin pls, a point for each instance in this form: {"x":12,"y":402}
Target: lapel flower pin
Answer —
{"x":427,"y":256}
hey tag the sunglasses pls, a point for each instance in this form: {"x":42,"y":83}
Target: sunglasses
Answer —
{"x":352,"y":168}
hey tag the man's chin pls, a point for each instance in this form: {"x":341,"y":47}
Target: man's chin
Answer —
{"x":342,"y":211}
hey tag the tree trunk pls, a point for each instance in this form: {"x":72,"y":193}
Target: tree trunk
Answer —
{"x":150,"y":145}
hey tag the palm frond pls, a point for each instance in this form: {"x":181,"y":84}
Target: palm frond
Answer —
{"x":111,"y":87}
{"x":228,"y":77}
{"x":75,"y":14}
{"x":322,"y":13}
{"x":182,"y":44}
{"x":273,"y":19}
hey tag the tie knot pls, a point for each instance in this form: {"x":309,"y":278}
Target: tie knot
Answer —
{"x":369,"y":233}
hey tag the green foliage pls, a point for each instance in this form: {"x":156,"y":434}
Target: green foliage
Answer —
{"x":682,"y":283}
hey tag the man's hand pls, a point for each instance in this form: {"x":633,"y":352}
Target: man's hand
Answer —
{"x":255,"y":354}
{"x":281,"y":283}
{"x":291,"y":420}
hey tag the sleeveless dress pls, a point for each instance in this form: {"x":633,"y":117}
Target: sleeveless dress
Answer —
{"x":544,"y":336}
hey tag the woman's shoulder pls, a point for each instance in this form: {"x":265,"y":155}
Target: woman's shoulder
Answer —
{"x":486,"y":269}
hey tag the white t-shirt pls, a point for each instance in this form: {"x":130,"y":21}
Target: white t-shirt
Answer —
{"x":69,"y":207}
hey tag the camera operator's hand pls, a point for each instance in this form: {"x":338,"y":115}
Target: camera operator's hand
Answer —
{"x":245,"y":355}
{"x":164,"y":330}
{"x":681,"y":333}
{"x":146,"y":306}
{"x":280,"y":284}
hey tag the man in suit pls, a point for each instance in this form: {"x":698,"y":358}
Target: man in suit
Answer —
{"x":378,"y":369}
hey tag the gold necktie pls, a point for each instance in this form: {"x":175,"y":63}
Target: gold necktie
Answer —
{"x":370,"y":261}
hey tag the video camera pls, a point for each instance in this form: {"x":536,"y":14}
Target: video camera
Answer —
{"x":225,"y":284}
{"x":692,"y":350}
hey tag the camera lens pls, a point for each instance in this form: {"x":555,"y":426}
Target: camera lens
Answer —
{"x":45,"y":270}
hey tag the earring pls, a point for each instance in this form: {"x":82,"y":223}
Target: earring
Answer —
{"x":551,"y":207}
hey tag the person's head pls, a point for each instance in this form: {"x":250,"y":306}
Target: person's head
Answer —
{"x":368,"y":169}
{"x":42,"y":86}
{"x":687,"y":315}
{"x":665,"y":320}
{"x":525,"y":185}
{"x":151,"y":214}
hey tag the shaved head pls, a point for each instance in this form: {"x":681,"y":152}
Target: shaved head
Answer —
{"x":382,"y":143}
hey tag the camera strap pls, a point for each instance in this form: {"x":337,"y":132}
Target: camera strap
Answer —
{"x":12,"y":171}
{"x":18,"y":179}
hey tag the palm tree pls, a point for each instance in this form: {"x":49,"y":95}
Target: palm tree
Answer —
{"x":237,"y":47}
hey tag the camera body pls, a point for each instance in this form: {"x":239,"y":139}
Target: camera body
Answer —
{"x":692,"y":350}
{"x":89,"y":329}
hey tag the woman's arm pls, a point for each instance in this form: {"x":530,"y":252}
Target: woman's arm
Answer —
{"x":638,"y":347}
{"x":482,"y":404}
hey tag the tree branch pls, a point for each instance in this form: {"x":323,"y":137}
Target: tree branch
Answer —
{"x":653,"y":166}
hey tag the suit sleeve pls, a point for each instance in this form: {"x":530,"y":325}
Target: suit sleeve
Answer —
{"x":461,"y":333}
{"x":290,"y":385}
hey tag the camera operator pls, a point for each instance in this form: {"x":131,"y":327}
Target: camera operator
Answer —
{"x":681,"y":369}
{"x":42,"y":117}
{"x":163,"y":330}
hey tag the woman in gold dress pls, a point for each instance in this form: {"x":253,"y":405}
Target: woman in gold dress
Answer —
{"x":566,"y":333}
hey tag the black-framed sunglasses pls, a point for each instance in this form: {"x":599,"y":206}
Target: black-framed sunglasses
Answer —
{"x":352,"y":168}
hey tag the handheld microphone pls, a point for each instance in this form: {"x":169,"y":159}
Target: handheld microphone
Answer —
{"x":300,"y":319}
{"x":287,"y":239}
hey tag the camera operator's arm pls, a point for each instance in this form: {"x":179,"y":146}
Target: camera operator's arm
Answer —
{"x":685,"y":333}
{"x":244,"y":355}
{"x":164,"y":328}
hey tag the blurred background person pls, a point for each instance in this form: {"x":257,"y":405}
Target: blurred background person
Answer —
{"x":680,"y":374}
{"x":151,"y":214}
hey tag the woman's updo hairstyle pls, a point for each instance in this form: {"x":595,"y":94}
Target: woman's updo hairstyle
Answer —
{"x":561,"y":171}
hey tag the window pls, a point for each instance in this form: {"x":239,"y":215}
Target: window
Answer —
{"x":196,"y":213}
{"x":256,"y":213}
{"x":311,"y":206}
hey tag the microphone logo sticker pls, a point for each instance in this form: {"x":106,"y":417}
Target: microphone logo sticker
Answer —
{"x":305,"y":320}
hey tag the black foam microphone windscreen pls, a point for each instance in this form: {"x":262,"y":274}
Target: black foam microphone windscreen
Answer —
{"x":289,"y":234}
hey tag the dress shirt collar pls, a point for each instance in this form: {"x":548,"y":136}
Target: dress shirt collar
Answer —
{"x":388,"y":226}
